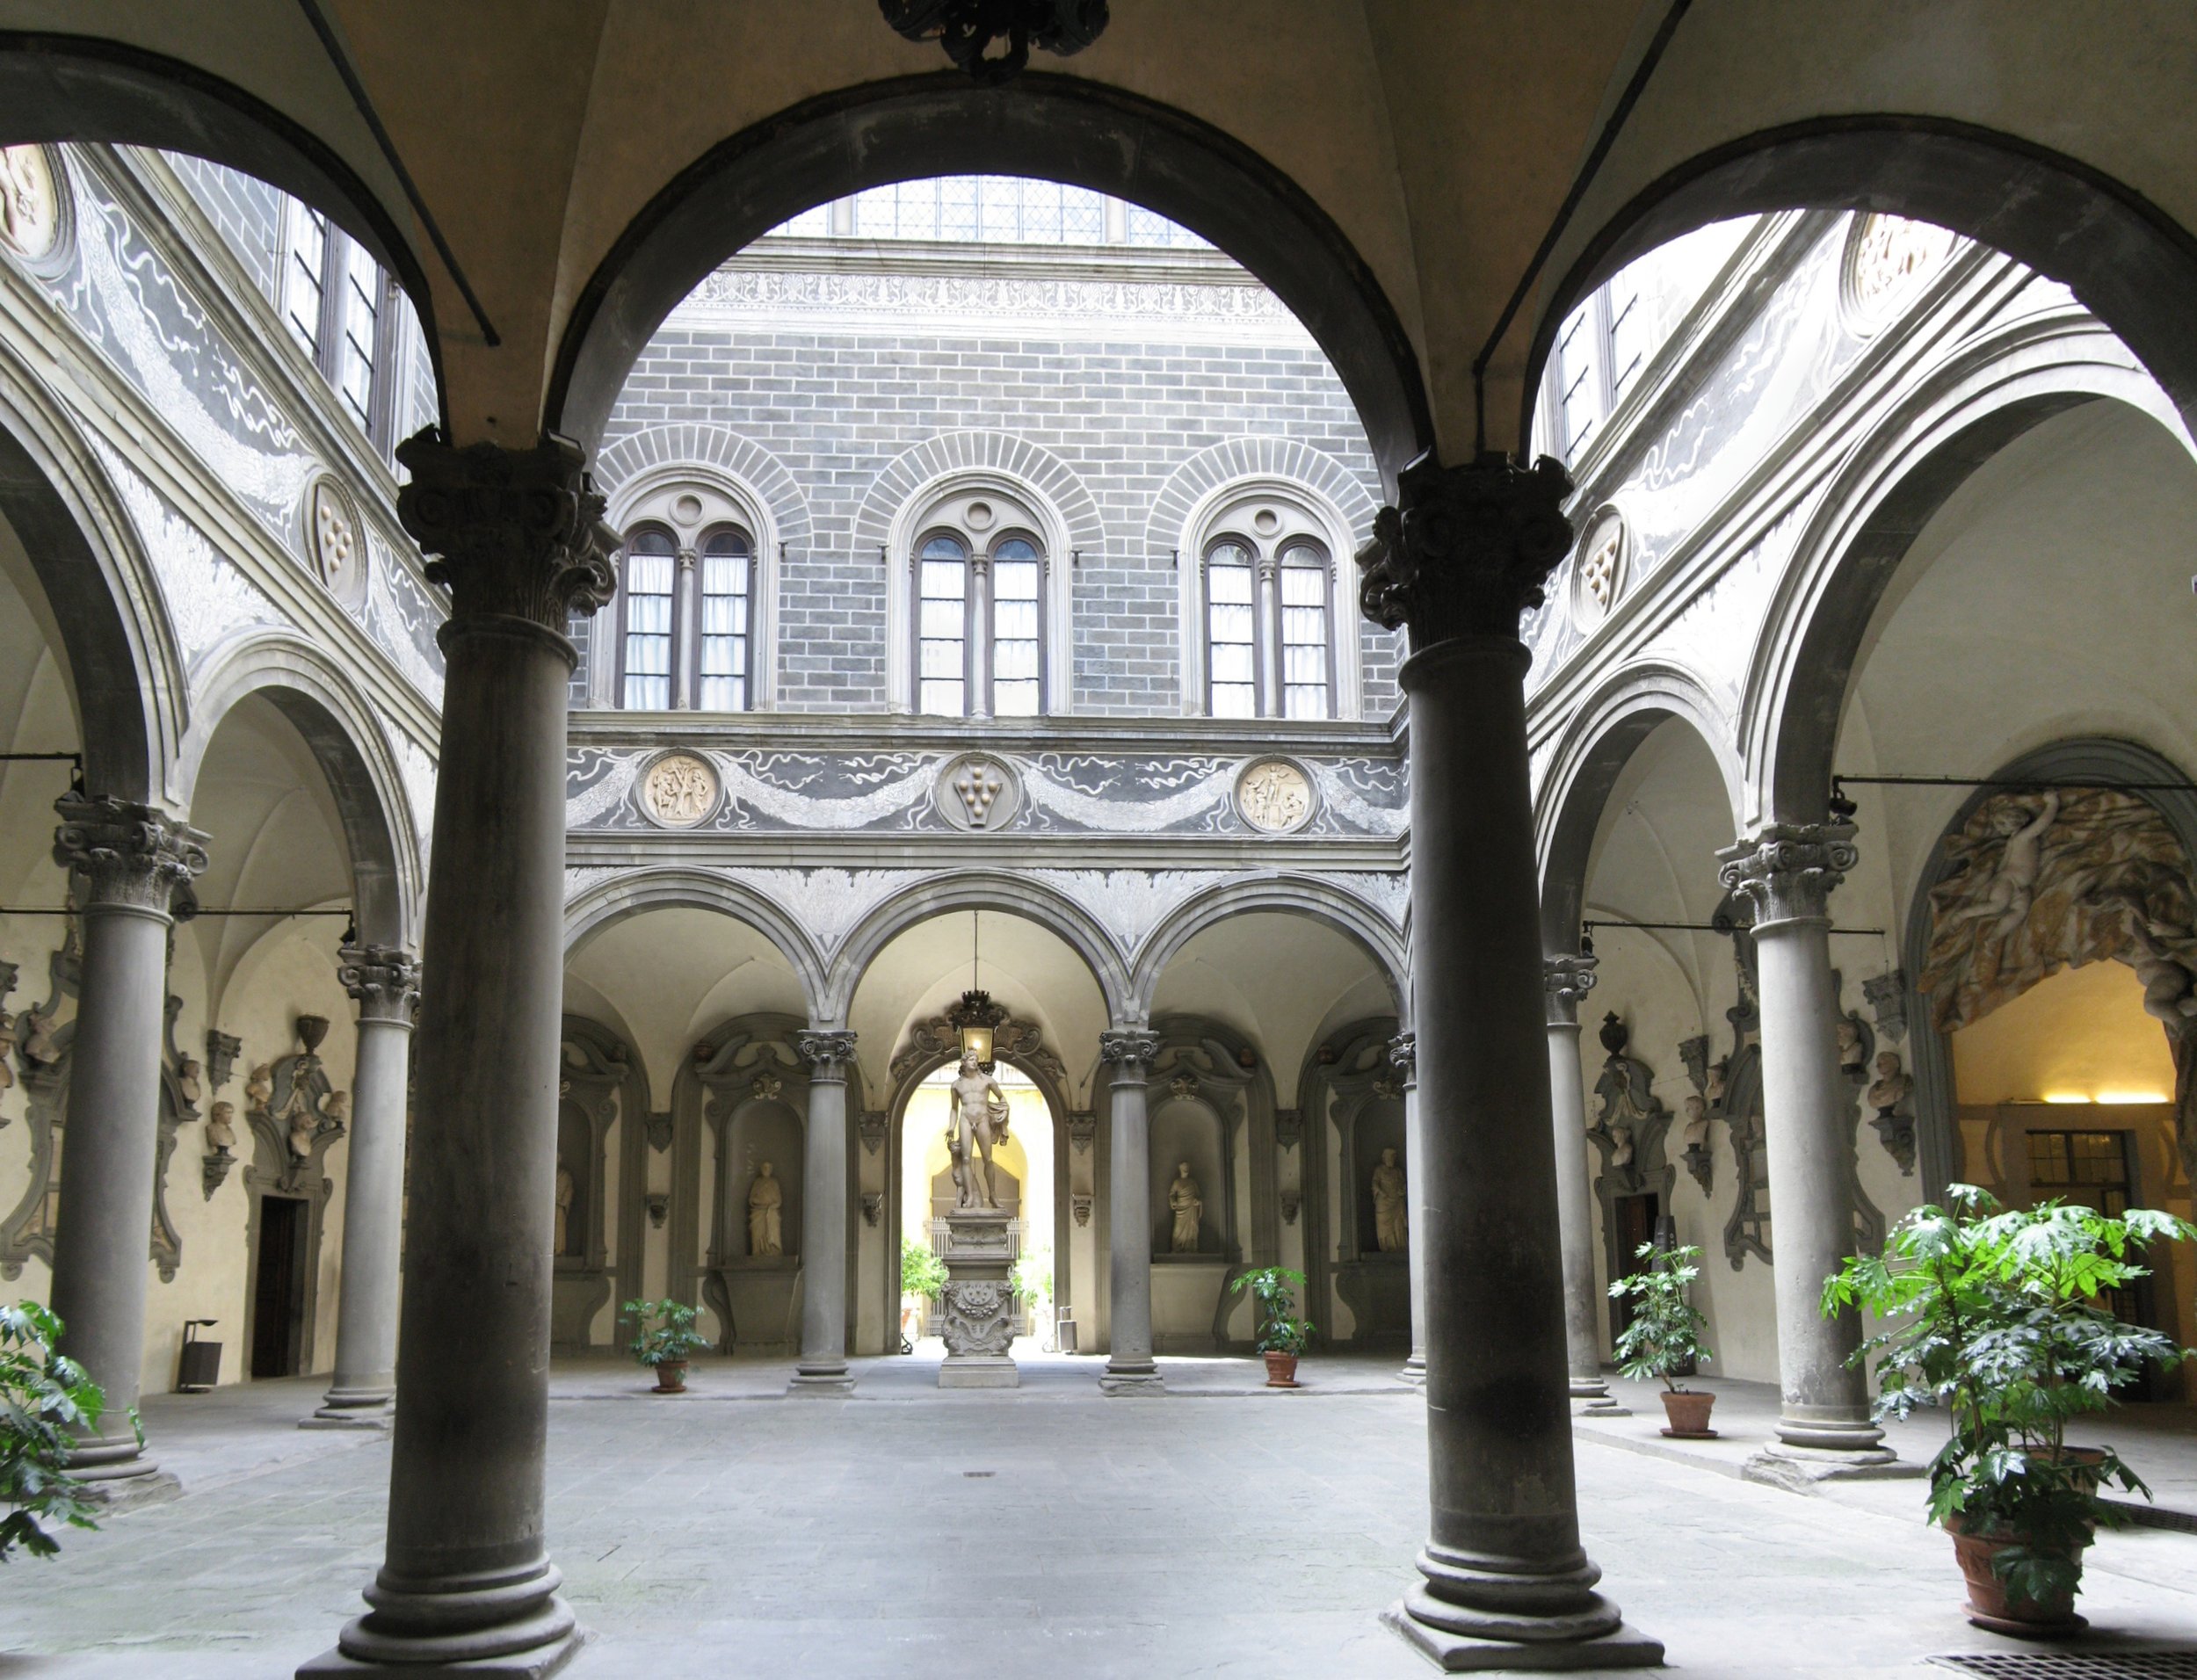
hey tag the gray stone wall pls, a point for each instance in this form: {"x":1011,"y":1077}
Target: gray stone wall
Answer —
{"x":837,"y":409}
{"x":247,"y":212}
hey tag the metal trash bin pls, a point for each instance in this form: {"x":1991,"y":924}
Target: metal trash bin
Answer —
{"x":1064,"y":1331}
{"x":200,"y":1368}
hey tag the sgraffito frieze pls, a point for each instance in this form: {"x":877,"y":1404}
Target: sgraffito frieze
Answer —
{"x":207,"y":598}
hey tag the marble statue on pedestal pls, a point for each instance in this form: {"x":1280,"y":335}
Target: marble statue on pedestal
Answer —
{"x":766,"y":1198}
{"x":1187,"y":1204}
{"x":1391,"y":1221}
{"x":980,"y":1117}
{"x":565,"y":1188}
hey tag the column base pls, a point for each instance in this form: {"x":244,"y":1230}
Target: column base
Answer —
{"x":535,"y":1665}
{"x":1131,"y":1377}
{"x":1590,"y":1397}
{"x":1800,"y":1469}
{"x":353,"y":1409}
{"x":1623,"y":1648}
{"x":508,"y":1623}
{"x":820,"y":1381}
{"x":1414,"y":1372}
{"x":114,"y":1495}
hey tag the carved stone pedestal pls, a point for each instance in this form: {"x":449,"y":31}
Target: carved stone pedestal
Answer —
{"x":978,"y":1309}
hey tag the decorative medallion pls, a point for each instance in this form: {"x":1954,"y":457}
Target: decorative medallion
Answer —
{"x":687,"y":508}
{"x":978,"y":793}
{"x":333,"y":541}
{"x":679,"y":791}
{"x":1888,"y":259}
{"x":767,"y":1087}
{"x":1274,"y":796}
{"x":30,"y":202}
{"x":980,"y":515}
{"x":1600,"y":578}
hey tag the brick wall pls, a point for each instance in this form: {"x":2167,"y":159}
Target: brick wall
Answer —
{"x":837,"y":409}
{"x":247,"y":212}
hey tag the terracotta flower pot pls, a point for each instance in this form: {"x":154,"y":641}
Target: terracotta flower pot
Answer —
{"x":671,"y":1376}
{"x":1281,"y":1369}
{"x":1991,"y":1605}
{"x":1688,"y":1412}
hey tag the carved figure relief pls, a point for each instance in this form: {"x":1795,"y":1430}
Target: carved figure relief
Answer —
{"x":977,"y":1317}
{"x":766,"y":1199}
{"x":1274,"y":796}
{"x":1887,"y":257}
{"x":561,"y":1242}
{"x":1391,"y":1221}
{"x":679,"y":791}
{"x":978,"y":793}
{"x":1187,"y":1205}
{"x":30,"y":209}
{"x":291,"y":1111}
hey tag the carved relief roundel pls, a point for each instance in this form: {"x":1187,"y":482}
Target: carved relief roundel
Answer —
{"x":1274,"y":796}
{"x":1599,"y":578}
{"x":332,"y":534}
{"x":29,"y":207}
{"x":978,"y":793}
{"x":679,"y":791}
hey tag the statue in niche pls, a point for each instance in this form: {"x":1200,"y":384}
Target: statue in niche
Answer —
{"x":220,"y":1128}
{"x":565,"y":1189}
{"x":1851,"y":1051}
{"x":39,"y":1047}
{"x":1391,"y":1221}
{"x":766,"y":1198}
{"x":1187,"y":1205}
{"x":980,"y":1117}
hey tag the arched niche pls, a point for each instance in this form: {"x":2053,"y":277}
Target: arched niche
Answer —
{"x":598,"y":1088}
{"x":1210,"y":1102}
{"x":1353,"y":1098}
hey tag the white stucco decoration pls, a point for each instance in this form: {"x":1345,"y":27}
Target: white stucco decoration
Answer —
{"x":206,"y":597}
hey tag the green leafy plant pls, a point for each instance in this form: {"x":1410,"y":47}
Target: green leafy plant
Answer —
{"x":663,"y":1332}
{"x":45,"y":1398}
{"x":1274,"y":1291}
{"x":922,"y":1273}
{"x":2002,"y":1318}
{"x":1032,"y":1279}
{"x":1664,"y":1336}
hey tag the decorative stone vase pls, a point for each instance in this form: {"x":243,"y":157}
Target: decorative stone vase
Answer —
{"x":671,"y":1376}
{"x":1688,"y":1412}
{"x":1281,"y":1369}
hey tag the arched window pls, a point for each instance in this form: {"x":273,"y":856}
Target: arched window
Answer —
{"x":976,"y":584}
{"x":644,"y":646}
{"x":1306,"y":649}
{"x":1232,"y":632}
{"x":721,"y":652}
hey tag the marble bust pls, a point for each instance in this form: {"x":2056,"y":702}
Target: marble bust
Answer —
{"x":1391,"y":1221}
{"x":766,"y":1199}
{"x":221,"y":1127}
{"x":1187,"y":1204}
{"x":1893,"y":1084}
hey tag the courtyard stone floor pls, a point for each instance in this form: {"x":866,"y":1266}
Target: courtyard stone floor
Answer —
{"x":1221,"y":1530}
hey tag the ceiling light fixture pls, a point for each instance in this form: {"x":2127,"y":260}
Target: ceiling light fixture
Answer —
{"x":976,"y":1016}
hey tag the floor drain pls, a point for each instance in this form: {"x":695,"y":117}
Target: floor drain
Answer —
{"x":2077,"y":1665}
{"x":980,"y":1474}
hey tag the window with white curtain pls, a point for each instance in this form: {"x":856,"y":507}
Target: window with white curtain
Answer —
{"x":338,"y":305}
{"x":978,"y":584}
{"x":721,"y":642}
{"x":942,"y":611}
{"x":1306,"y":649}
{"x":649,"y":593}
{"x":1232,"y":632}
{"x":1269,"y":616}
{"x":1017,"y":584}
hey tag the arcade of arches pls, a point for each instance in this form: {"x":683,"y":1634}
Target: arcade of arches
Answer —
{"x":570,"y":624}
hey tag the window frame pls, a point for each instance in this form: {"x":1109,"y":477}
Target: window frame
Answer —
{"x":970,"y":559}
{"x":1228,"y":538}
{"x":988,"y":652}
{"x":1323,"y":564}
{"x":691,"y":641}
{"x":625,"y":616}
{"x":326,"y":353}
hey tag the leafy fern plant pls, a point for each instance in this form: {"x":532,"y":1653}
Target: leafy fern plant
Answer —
{"x":45,"y":1398}
{"x":1664,"y":1336}
{"x":2002,"y":1318}
{"x":663,"y":1332}
{"x":1274,"y":1291}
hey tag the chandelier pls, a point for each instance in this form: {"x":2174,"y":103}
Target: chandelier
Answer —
{"x":968,"y":28}
{"x":975,"y":1017}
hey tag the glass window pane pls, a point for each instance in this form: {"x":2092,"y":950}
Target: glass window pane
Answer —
{"x":939,"y":658}
{"x":1234,"y":700}
{"x":302,"y":283}
{"x":941,"y":698}
{"x":361,"y":299}
{"x":1231,"y":632}
{"x":942,"y":620}
{"x":1232,"y":663}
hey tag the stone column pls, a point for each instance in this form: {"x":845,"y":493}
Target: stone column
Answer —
{"x":1786,"y":872}
{"x":685,"y":645}
{"x":1268,"y":635}
{"x":1567,"y":980}
{"x":386,"y":982}
{"x":823,"y":1369}
{"x":1129,"y":1367}
{"x":1504,"y":1583}
{"x":979,"y":636}
{"x":1403,"y":1056}
{"x":128,"y":862}
{"x":518,"y":537}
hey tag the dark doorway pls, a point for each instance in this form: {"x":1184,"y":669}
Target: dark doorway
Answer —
{"x":1634,"y":1218}
{"x":277,"y":1289}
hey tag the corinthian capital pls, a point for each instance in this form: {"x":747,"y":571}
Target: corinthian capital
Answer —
{"x":1466,"y":549}
{"x":125,"y":853}
{"x":1129,"y":1053}
{"x":1567,"y":980}
{"x":513,"y":532}
{"x":829,"y":1055}
{"x":1786,"y":869}
{"x":384,"y":980}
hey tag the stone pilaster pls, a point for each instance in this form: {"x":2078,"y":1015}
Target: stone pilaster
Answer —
{"x":1403,"y":1056}
{"x":1566,"y":981}
{"x":1504,"y":1580}
{"x":129,"y":862}
{"x":385,"y":984}
{"x":516,"y":535}
{"x":1788,"y":872}
{"x":1130,"y":1369}
{"x":823,"y":1367}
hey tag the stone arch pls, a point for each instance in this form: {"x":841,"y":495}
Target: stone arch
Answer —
{"x":1060,"y":128}
{"x":710,"y":452}
{"x":1305,"y":896}
{"x":2131,"y":264}
{"x":984,"y":889}
{"x":1865,"y":521}
{"x":630,"y":891}
{"x":309,"y":687}
{"x":1197,"y":476}
{"x":56,"y":86}
{"x":108,"y":616}
{"x":1599,"y":737}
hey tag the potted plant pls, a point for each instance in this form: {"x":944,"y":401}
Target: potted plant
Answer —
{"x":664,"y":1338}
{"x":2003,"y":1319}
{"x":1032,"y":1281}
{"x":922,"y":1278}
{"x":45,"y":1398}
{"x":1664,"y":1336}
{"x":1282,"y":1336}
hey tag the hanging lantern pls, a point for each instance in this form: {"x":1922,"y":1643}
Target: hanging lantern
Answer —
{"x":975,"y":1017}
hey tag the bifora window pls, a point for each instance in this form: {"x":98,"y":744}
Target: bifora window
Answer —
{"x":978,"y":590}
{"x":1270,"y":644}
{"x":685,"y":622}
{"x":335,"y":300}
